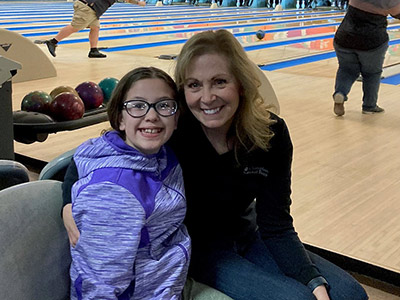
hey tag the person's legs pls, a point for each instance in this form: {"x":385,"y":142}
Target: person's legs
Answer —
{"x":249,"y":274}
{"x":342,"y":285}
{"x":347,"y":73}
{"x":94,"y":36}
{"x":94,"y":39}
{"x":62,"y":34}
{"x":371,"y":71}
{"x":65,"y":32}
{"x":83,"y":16}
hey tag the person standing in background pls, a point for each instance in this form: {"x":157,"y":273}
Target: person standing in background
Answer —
{"x":360,"y":43}
{"x":86,"y":14}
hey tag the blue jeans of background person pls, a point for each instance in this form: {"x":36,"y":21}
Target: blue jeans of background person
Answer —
{"x":369,"y":64}
{"x":253,"y":274}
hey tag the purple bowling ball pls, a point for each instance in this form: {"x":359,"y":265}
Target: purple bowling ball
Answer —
{"x":91,"y":94}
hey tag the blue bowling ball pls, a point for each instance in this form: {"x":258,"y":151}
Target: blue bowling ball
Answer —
{"x":260,"y":34}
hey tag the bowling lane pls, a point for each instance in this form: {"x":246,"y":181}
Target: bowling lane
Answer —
{"x":137,"y":31}
{"x":140,"y":31}
{"x":124,"y":35}
{"x":151,"y":36}
{"x":130,"y":38}
{"x":23,"y":27}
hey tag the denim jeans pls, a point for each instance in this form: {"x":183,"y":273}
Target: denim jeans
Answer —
{"x":254,"y":275}
{"x":352,"y":63}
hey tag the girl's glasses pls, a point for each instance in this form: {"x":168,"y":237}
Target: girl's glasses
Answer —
{"x":139,"y":108}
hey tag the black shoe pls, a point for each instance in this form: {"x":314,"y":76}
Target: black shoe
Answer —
{"x":375,"y":110}
{"x":96,"y":54}
{"x":52,"y":47}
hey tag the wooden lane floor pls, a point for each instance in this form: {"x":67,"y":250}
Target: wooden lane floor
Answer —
{"x":128,"y":34}
{"x":346,"y":171}
{"x":149,"y":41}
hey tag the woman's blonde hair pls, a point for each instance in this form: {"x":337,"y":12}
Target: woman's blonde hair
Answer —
{"x":251,"y":124}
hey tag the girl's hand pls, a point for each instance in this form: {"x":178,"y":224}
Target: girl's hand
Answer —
{"x":70,"y":226}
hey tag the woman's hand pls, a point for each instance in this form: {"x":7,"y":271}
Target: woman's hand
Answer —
{"x":70,"y":226}
{"x":321,"y":293}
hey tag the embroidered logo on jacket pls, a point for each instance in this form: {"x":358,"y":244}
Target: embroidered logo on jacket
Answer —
{"x":255,"y":171}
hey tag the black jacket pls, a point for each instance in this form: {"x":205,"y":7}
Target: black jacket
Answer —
{"x":362,"y":30}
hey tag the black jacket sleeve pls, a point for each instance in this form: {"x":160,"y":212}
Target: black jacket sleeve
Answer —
{"x":71,"y":176}
{"x":273,"y":210}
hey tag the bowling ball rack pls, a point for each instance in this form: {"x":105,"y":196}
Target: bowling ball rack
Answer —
{"x":30,"y":127}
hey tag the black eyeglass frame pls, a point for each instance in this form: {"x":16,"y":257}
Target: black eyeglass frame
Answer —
{"x":149,"y":106}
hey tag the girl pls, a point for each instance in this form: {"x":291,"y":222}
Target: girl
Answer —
{"x":129,"y":200}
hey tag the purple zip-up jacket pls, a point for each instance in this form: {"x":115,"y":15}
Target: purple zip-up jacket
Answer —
{"x":129,"y":208}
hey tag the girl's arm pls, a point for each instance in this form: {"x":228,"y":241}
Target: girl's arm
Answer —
{"x":71,"y":176}
{"x":69,"y":224}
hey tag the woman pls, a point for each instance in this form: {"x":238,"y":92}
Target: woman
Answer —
{"x":360,"y":43}
{"x":233,"y":151}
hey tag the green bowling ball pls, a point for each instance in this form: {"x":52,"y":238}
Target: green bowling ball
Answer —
{"x":108,"y":85}
{"x":36,"y":101}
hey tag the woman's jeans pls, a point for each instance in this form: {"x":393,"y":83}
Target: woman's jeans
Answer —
{"x":254,"y":275}
{"x":352,"y":63}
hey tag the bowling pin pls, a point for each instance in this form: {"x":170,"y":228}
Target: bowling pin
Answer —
{"x":298,"y":4}
{"x":238,"y":3}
